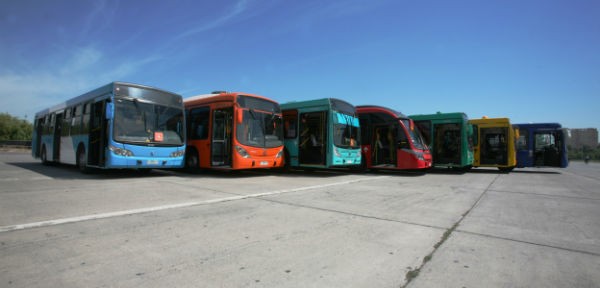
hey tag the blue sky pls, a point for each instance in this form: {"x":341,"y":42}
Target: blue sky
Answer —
{"x":531,"y":61}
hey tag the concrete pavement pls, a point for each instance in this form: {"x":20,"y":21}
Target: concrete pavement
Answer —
{"x":529,"y":228}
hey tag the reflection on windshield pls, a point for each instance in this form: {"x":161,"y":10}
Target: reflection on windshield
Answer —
{"x":137,"y":122}
{"x":345,"y":135}
{"x":415,"y":135}
{"x":260,"y":129}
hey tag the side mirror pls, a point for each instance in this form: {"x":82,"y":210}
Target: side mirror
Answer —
{"x":239,"y":116}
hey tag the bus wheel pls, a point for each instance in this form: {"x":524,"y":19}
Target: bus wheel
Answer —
{"x":191,"y":159}
{"x":506,"y":169}
{"x":82,"y":161}
{"x":44,"y":156}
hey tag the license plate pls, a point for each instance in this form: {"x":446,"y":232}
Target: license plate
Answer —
{"x":152,"y":162}
{"x":349,"y":161}
{"x":264,"y":163}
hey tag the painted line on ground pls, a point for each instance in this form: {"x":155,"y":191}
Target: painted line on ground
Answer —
{"x":28,"y":178}
{"x":172,"y":206}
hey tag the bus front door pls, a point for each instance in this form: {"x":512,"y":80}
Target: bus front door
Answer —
{"x":494,"y":146}
{"x":384,"y":146}
{"x":447,"y":141}
{"x":311,"y":148}
{"x":221,"y":137}
{"x":547,"y":149}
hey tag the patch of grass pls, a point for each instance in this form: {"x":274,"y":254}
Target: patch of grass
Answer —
{"x":427,"y":258}
{"x":412,"y":274}
{"x":445,"y":236}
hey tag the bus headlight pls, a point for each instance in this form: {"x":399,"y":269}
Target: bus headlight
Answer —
{"x":177,"y":153}
{"x":420,"y":156}
{"x":279,"y":154}
{"x":120,"y":151}
{"x":242,"y":151}
{"x":336,"y":152}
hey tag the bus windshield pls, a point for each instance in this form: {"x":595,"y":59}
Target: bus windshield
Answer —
{"x":147,"y":123}
{"x":415,"y":135}
{"x":346,"y":131}
{"x":260,"y":129}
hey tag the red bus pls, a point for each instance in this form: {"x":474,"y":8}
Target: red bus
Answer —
{"x":232,"y":131}
{"x":390,"y":140}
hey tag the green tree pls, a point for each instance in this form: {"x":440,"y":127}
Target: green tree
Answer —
{"x":579,"y":154}
{"x":13,"y":128}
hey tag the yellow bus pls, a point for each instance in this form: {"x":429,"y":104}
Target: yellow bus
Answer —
{"x":494,"y":143}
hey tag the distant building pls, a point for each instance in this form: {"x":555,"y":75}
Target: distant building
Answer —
{"x":583,"y":137}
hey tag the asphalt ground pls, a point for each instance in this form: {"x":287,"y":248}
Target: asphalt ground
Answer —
{"x":534,"y":227}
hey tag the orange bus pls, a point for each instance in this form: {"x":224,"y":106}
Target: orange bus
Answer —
{"x":232,"y":131}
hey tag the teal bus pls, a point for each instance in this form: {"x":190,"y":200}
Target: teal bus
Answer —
{"x":119,"y":125}
{"x":322,"y":133}
{"x":450,"y":138}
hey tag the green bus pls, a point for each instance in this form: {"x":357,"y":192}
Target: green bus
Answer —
{"x":321,"y":133}
{"x":450,"y":138}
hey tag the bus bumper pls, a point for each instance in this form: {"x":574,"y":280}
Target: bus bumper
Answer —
{"x":116,"y":161}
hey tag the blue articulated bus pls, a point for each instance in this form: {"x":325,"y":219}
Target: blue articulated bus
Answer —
{"x":119,"y":125}
{"x":541,"y":145}
{"x":322,"y":133}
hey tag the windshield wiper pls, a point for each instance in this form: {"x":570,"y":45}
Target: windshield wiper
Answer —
{"x":252,"y":113}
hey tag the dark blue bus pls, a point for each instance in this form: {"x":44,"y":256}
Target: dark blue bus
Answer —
{"x":541,"y":145}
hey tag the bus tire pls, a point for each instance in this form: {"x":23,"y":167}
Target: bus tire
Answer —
{"x":506,"y":169}
{"x":44,"y":156}
{"x":81,"y":160}
{"x":191,"y":160}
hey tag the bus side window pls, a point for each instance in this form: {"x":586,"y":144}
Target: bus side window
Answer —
{"x":46,"y":125}
{"x":51,"y":125}
{"x":76,"y":121}
{"x":402,"y":137}
{"x":522,"y":141}
{"x":199,"y":119}
{"x":66,"y":123}
{"x":85,"y":126}
{"x":290,"y":126}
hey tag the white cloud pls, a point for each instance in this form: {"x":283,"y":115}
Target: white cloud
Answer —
{"x":99,"y":17}
{"x":25,"y":93}
{"x":82,"y":59}
{"x":239,"y":8}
